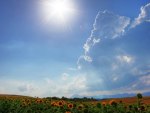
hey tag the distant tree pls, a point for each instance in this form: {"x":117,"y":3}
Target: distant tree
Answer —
{"x":55,"y":98}
{"x":139,"y":96}
{"x":49,"y":98}
{"x":64,"y":98}
{"x":84,"y":98}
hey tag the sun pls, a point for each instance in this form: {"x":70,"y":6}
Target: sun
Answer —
{"x":60,"y":11}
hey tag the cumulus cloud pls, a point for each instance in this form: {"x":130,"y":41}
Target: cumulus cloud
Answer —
{"x":107,"y":25}
{"x":113,"y":58}
{"x":66,"y":86}
{"x":143,"y":16}
{"x":19,"y":87}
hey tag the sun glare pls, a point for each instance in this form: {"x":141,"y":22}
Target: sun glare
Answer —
{"x":58,"y":10}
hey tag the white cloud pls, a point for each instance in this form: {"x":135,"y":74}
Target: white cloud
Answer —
{"x":143,"y":16}
{"x":112,"y":60}
{"x":106,"y":25}
{"x":19,"y":87}
{"x":125,"y":59}
{"x":66,"y":85}
{"x":109,"y":25}
{"x":85,"y":58}
{"x":145,"y":80}
{"x":87,"y":45}
{"x":71,"y":85}
{"x":115,"y":61}
{"x":96,"y":41}
{"x":26,"y":87}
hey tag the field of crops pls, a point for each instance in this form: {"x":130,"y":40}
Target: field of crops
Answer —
{"x":20,"y":104}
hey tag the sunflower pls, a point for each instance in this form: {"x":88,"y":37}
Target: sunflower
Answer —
{"x":53,"y":104}
{"x":39,"y":101}
{"x":113,"y":102}
{"x":70,"y":106}
{"x":80,"y":107}
{"x":104,"y":103}
{"x":60,"y":103}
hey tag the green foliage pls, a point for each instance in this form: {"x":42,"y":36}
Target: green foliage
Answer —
{"x":99,"y":105}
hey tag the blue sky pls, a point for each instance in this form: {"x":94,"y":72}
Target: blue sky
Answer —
{"x":99,"y":48}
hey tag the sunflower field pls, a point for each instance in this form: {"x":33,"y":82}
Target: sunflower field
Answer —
{"x":17,"y":104}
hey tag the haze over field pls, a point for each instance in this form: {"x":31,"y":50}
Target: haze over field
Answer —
{"x":75,"y":48}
